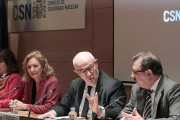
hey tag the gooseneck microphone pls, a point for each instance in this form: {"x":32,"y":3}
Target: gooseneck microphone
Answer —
{"x":17,"y":87}
{"x":52,"y":90}
{"x":109,"y":105}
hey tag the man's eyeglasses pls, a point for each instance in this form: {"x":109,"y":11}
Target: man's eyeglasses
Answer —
{"x":90,"y":69}
{"x":135,"y":72}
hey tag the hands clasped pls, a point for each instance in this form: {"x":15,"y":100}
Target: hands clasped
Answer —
{"x":134,"y":116}
{"x":20,"y":105}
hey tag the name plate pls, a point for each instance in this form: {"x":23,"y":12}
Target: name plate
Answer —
{"x":8,"y":116}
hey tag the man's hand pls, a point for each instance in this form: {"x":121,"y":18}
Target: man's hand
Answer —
{"x":134,"y":116}
{"x":93,"y":102}
{"x":49,"y":114}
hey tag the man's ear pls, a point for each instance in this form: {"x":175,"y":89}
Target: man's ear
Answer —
{"x":76,"y":72}
{"x":96,"y":62}
{"x":149,"y":73}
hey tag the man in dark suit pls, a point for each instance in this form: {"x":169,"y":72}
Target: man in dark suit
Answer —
{"x":104,"y":90}
{"x":163,"y":100}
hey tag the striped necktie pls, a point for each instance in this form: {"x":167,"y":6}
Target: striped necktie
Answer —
{"x":148,"y":105}
{"x":86,"y":104}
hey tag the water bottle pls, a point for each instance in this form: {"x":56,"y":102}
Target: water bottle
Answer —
{"x":14,"y":108}
{"x":72,"y":114}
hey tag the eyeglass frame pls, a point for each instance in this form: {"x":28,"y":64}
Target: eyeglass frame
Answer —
{"x":90,"y":69}
{"x":135,"y":72}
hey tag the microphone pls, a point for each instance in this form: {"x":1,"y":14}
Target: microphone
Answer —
{"x":109,"y":105}
{"x":52,"y":90}
{"x":17,"y":87}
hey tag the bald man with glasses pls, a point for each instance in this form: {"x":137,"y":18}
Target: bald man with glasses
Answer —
{"x":92,"y":92}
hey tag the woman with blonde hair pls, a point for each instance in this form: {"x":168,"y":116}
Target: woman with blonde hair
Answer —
{"x":39,"y":80}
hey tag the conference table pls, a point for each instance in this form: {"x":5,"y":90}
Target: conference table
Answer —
{"x":23,"y":114}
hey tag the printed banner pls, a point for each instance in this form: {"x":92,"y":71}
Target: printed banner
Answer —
{"x":39,"y":15}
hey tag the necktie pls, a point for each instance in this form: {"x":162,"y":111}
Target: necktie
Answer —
{"x":148,"y":105}
{"x":86,"y":104}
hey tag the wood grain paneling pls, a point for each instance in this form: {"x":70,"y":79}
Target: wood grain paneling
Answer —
{"x":89,"y":4}
{"x":103,"y":34}
{"x":57,"y":45}
{"x":107,"y":67}
{"x":128,"y":93}
{"x":65,"y":73}
{"x":102,"y":3}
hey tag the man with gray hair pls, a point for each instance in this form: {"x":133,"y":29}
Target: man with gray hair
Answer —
{"x":92,"y":92}
{"x":154,"y":96}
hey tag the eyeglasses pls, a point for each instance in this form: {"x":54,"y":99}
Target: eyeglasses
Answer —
{"x":136,"y":72}
{"x":90,"y":69}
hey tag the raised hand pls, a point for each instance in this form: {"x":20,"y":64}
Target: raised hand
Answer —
{"x":93,"y":102}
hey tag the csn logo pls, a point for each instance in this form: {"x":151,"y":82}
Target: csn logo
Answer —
{"x":23,"y":11}
{"x":39,"y":9}
{"x":171,"y":16}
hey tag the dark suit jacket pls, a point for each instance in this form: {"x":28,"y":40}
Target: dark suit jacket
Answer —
{"x":166,"y":102}
{"x":108,"y":88}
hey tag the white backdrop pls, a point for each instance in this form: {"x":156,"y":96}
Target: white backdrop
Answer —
{"x":143,"y":25}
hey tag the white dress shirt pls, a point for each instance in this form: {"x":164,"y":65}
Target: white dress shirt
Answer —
{"x":92,"y":93}
{"x":83,"y":99}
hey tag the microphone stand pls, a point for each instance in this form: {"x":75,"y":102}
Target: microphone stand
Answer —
{"x":53,"y":89}
{"x":17,"y":87}
{"x":108,"y":106}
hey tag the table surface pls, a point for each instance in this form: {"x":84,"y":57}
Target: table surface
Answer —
{"x":23,"y":113}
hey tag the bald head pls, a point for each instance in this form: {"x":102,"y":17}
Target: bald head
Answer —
{"x":86,"y":66}
{"x":81,"y":58}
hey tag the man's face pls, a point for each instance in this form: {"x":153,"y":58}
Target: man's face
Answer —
{"x":139,"y":76}
{"x":88,"y":71}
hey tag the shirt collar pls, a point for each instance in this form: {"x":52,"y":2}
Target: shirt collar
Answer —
{"x":153,"y":88}
{"x":93,"y":86}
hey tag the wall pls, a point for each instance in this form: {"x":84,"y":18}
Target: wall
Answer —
{"x":60,"y":47}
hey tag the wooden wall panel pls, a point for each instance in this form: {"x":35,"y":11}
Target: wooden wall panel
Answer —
{"x":65,"y":73}
{"x":107,"y":67}
{"x":103,"y":34}
{"x":89,"y":4}
{"x":128,"y":93}
{"x":102,"y":3}
{"x":57,"y":45}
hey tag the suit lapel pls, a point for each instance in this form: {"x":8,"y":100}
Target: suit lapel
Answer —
{"x":99,"y":86}
{"x":141,"y":95}
{"x":158,"y":95}
{"x":80,"y":94}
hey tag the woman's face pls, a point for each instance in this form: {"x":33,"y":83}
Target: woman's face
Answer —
{"x":3,"y":67}
{"x":34,"y":69}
